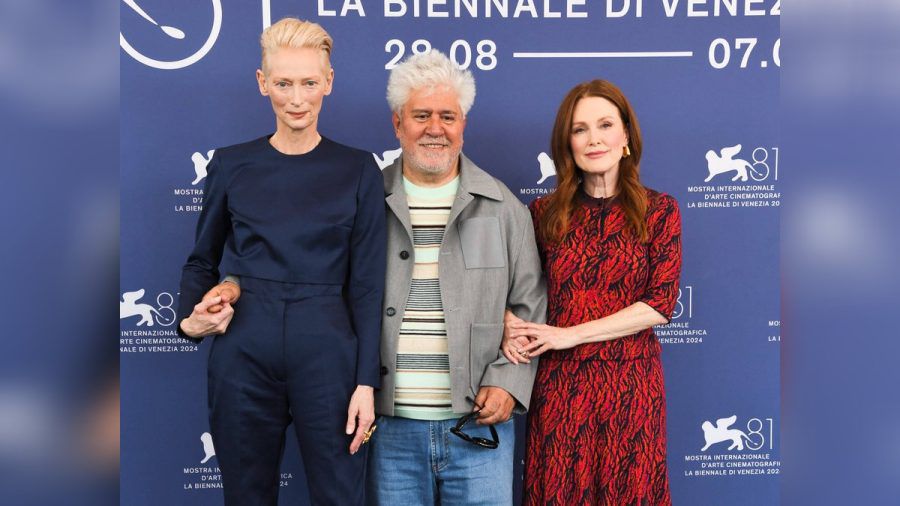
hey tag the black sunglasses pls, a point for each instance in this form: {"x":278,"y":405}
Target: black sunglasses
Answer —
{"x":491,"y":444}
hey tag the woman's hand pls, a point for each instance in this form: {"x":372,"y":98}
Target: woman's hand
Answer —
{"x":544,"y":337}
{"x":360,"y":415}
{"x":203,"y":323}
{"x":512,"y":346}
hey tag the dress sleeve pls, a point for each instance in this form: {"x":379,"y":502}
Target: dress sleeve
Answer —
{"x":368,"y":250}
{"x":201,"y":271}
{"x":664,"y":251}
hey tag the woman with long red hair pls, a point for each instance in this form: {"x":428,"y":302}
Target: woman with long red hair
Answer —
{"x":611,"y":251}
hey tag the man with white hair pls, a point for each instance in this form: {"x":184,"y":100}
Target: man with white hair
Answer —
{"x":461,"y":251}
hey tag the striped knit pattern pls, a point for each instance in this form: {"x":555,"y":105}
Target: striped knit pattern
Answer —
{"x":422,"y":389}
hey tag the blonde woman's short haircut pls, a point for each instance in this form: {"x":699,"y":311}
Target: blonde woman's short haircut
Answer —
{"x":296,"y":33}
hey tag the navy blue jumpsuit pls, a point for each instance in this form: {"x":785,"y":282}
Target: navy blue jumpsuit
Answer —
{"x":306,"y":234}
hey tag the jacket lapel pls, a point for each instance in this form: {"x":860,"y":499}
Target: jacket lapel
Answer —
{"x":472,"y":181}
{"x":395,"y":195}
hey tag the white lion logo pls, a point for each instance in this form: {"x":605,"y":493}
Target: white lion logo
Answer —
{"x":725,"y":163}
{"x":209,"y":451}
{"x":129,"y":306}
{"x":387,"y":158}
{"x":547,"y":167}
{"x":200,"y":164}
{"x":721,"y":432}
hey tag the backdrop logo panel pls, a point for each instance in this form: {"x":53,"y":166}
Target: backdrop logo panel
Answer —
{"x":722,"y":432}
{"x":200,"y":163}
{"x":730,"y":450}
{"x":149,"y":328}
{"x":542,"y":169}
{"x":774,"y":335}
{"x":205,"y":474}
{"x":192,"y":55}
{"x":189,"y":198}
{"x":209,"y":450}
{"x":733,"y":180}
{"x":130,"y":305}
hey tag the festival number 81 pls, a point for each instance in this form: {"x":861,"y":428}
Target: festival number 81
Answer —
{"x":461,"y":52}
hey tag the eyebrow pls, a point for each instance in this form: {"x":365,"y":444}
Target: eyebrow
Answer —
{"x":429,"y":111}
{"x":574,"y":122}
{"x":305,"y":78}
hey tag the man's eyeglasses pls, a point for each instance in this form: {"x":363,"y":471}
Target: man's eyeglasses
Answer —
{"x":491,"y":444}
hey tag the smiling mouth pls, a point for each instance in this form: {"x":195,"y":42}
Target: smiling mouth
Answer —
{"x":297,"y":114}
{"x":434,"y":146}
{"x":596,"y":154}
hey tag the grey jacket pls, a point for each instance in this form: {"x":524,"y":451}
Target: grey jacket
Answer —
{"x":488,"y":261}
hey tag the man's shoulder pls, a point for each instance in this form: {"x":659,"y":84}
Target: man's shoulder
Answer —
{"x":510,"y":207}
{"x":510,"y":199}
{"x":492,"y":187}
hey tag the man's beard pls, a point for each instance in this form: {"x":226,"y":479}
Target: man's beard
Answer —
{"x":431,"y":165}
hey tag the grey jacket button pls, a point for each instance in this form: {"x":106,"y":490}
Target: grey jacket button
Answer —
{"x":390,"y":311}
{"x":404,"y":254}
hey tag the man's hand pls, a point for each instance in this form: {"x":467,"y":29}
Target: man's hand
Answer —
{"x":202,"y":323}
{"x":229,"y":291}
{"x":360,"y":415}
{"x":496,"y":405}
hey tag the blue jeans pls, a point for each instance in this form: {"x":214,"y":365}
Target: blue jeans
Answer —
{"x":419,"y":462}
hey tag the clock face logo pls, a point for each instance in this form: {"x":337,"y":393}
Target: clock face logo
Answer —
{"x":173,"y":32}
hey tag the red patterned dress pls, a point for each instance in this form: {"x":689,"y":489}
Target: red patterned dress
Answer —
{"x":597,"y":423}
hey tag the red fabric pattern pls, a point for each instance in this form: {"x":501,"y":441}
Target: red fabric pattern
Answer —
{"x":597,"y":424}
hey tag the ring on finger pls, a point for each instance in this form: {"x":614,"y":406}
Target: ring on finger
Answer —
{"x":369,"y":433}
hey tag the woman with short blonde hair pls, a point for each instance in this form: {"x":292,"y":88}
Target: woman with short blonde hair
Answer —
{"x":297,"y":221}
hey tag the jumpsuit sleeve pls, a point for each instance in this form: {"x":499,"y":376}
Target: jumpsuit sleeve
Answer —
{"x":201,"y":271}
{"x":368,"y":250}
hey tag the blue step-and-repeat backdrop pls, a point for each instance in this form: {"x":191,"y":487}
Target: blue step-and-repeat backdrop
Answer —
{"x":703,"y":76}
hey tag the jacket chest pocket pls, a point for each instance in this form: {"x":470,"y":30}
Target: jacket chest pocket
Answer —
{"x":482,"y":243}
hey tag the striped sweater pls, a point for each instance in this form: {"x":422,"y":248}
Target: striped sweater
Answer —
{"x":422,"y":389}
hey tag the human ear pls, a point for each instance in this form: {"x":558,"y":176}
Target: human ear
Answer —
{"x":395,"y":118}
{"x":261,"y":81}
{"x":329,"y":81}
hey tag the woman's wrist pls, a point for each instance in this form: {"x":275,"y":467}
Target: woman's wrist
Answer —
{"x":583,"y":334}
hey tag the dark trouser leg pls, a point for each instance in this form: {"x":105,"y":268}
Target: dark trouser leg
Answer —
{"x":321,"y":355}
{"x":248,"y":403}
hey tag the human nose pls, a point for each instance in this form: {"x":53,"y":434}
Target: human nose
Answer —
{"x":297,"y":96}
{"x":594,"y":137}
{"x":434,"y":127}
